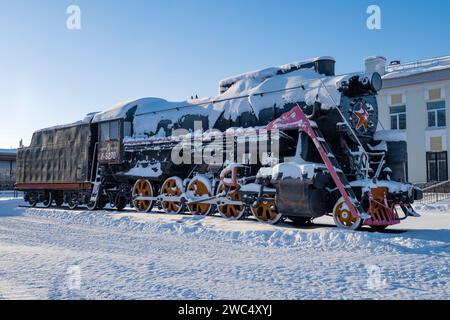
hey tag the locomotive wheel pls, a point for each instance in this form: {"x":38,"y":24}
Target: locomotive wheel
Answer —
{"x":172,"y":187}
{"x":343,"y":217}
{"x":265,"y":212}
{"x":231,"y":211}
{"x":72,"y":205}
{"x":197,"y":189}
{"x":98,"y":205}
{"x":47,"y":203}
{"x":92,"y":205}
{"x":33,"y":200}
{"x":73,"y":202}
{"x":143,"y":188}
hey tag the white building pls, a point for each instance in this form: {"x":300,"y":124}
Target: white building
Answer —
{"x":7,"y":168}
{"x":415,"y":100}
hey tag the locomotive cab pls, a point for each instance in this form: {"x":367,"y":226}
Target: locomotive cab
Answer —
{"x":110,"y":136}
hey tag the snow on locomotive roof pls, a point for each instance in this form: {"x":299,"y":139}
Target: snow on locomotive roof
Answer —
{"x":143,"y":106}
{"x":63,"y":126}
{"x":263,"y":74}
{"x":246,"y":95}
{"x":86,"y":120}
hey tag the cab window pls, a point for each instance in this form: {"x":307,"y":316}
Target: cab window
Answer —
{"x":110,"y":131}
{"x":104,"y":132}
{"x":127,"y":129}
{"x":114,"y":130}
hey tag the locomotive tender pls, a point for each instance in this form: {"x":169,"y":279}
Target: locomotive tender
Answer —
{"x":308,"y":145}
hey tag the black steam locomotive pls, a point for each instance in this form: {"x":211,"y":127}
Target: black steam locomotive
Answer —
{"x":293,"y":141}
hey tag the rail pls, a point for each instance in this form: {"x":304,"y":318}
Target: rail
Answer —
{"x":435,"y":193}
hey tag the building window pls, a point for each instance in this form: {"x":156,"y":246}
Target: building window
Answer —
{"x":437,"y":166}
{"x":436,"y":114}
{"x":436,"y":144}
{"x":396,"y":99}
{"x":5,"y":170}
{"x":398,"y":117}
{"x":435,"y":94}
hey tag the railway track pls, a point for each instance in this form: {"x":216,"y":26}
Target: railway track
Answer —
{"x":63,"y":208}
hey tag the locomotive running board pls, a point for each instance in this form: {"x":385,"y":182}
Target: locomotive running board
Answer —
{"x":296,"y":119}
{"x":220,"y":201}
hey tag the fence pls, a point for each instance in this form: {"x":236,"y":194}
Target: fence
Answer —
{"x":7,"y":188}
{"x":10,"y":194}
{"x":435,"y":193}
{"x":7,"y":184}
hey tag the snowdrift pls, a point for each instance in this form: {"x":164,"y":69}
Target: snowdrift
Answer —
{"x":249,"y":232}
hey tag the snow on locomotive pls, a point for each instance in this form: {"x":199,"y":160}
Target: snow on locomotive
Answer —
{"x":293,"y":141}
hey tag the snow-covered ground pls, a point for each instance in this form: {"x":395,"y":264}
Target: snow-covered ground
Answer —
{"x":58,"y":254}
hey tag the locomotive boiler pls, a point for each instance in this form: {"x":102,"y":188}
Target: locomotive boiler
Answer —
{"x":291,"y":142}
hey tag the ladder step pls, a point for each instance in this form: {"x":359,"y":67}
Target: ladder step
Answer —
{"x":330,"y":161}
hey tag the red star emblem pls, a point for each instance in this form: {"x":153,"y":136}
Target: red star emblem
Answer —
{"x":363,"y":118}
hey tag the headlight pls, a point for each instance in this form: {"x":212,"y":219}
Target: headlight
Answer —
{"x":376,"y":82}
{"x":371,"y":82}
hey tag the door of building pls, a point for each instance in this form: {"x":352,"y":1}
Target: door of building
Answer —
{"x":437,"y":166}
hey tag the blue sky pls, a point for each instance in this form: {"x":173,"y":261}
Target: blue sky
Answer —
{"x":176,"y":48}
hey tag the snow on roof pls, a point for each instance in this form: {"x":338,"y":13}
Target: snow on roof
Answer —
{"x":8,"y":151}
{"x":262,"y":74}
{"x":64,"y":126}
{"x":246,"y":95}
{"x":117,"y":111}
{"x":252,"y":92}
{"x":369,"y":58}
{"x":417,"y":67}
{"x":144,"y":105}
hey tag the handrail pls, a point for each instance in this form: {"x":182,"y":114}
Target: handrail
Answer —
{"x":436,"y":185}
{"x":435,"y":193}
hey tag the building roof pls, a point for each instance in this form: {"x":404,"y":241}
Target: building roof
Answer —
{"x":8,"y":154}
{"x":417,"y":72}
{"x":417,"y":67}
{"x":8,"y":151}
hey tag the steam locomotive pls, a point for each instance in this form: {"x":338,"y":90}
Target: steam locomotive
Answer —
{"x":291,"y":142}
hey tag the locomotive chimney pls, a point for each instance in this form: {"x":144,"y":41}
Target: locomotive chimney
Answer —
{"x":325,"y":66}
{"x":375,"y":64}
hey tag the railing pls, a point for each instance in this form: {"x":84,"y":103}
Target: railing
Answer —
{"x":10,"y":194}
{"x":435,"y":193}
{"x":419,"y":64}
{"x":7,"y":184}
